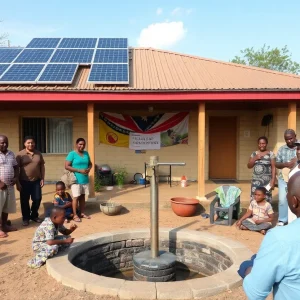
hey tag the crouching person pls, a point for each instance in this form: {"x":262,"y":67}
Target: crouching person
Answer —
{"x":46,"y":241}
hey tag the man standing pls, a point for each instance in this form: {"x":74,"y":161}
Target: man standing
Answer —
{"x":8,"y":178}
{"x":276,"y":265}
{"x":285,"y":160}
{"x":32,"y":174}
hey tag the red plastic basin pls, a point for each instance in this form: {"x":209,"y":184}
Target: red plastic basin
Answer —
{"x":184,"y":207}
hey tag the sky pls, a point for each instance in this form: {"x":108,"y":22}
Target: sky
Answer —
{"x":216,"y":29}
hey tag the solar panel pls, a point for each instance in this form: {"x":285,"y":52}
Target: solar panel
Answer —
{"x":73,"y":56}
{"x":109,"y":73}
{"x":7,"y":55}
{"x":111,"y":56}
{"x":34,"y":56}
{"x":58,"y":73}
{"x":3,"y":68}
{"x":112,"y":43}
{"x":77,"y":43}
{"x":22,"y":73}
{"x":43,"y":43}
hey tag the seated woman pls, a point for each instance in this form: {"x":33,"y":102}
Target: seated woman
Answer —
{"x":259,"y":215}
{"x":63,"y":200}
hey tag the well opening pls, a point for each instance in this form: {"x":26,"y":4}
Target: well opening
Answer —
{"x":115,"y":259}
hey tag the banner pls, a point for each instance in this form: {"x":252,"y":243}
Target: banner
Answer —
{"x":114,"y":129}
{"x":142,"y":141}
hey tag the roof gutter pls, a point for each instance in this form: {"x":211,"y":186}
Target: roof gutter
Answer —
{"x":46,"y":96}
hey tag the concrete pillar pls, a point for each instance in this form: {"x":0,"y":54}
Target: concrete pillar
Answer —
{"x":91,"y":145}
{"x":201,"y":151}
{"x":292,"y":115}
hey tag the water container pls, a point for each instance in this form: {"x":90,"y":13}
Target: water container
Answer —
{"x":183,"y":181}
{"x":142,"y":181}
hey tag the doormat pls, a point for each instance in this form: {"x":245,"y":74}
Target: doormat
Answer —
{"x":224,"y":181}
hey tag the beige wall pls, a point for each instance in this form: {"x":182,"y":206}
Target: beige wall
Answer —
{"x":248,"y":121}
{"x":9,"y":125}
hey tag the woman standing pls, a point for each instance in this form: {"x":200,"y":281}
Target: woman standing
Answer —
{"x":263,"y":163}
{"x":79,"y":162}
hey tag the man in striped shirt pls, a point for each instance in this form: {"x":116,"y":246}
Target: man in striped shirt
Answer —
{"x":8,"y":178}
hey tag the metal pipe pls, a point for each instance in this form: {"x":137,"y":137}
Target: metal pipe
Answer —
{"x":171,"y":164}
{"x":153,"y":170}
{"x":154,"y":207}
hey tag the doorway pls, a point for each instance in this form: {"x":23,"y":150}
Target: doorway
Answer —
{"x":222,"y":147}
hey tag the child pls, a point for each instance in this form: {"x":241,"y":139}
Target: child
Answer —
{"x":259,"y":215}
{"x":46,"y":241}
{"x":64,"y":200}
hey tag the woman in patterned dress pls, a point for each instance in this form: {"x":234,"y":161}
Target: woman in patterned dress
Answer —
{"x":263,"y":163}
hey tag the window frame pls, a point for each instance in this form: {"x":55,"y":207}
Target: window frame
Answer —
{"x":46,"y":134}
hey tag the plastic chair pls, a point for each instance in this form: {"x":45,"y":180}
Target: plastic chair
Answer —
{"x":232,"y":211}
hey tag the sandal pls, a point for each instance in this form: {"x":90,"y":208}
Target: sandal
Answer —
{"x":76,"y":219}
{"x":25,"y":223}
{"x":3,"y":234}
{"x":85,"y":216}
{"x":37,"y":220}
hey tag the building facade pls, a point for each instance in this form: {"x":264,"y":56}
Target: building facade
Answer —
{"x":229,"y":107}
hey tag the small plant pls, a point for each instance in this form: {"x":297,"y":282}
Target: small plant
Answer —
{"x":120,"y":175}
{"x":98,"y":184}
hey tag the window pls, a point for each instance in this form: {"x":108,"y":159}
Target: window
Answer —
{"x":52,"y":135}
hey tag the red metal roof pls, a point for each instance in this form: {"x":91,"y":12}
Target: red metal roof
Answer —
{"x":154,"y":70}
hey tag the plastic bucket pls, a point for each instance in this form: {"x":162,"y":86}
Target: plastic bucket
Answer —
{"x":142,"y":181}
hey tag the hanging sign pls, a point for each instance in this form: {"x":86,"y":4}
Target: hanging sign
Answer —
{"x":140,"y":141}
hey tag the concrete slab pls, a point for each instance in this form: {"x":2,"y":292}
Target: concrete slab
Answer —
{"x":64,"y":271}
{"x":137,"y":290}
{"x":230,"y":277}
{"x":173,"y":290}
{"x":105,"y":286}
{"x":205,"y":287}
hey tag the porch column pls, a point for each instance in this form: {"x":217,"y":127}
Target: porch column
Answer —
{"x":91,"y":145}
{"x":201,"y":151}
{"x":292,"y":115}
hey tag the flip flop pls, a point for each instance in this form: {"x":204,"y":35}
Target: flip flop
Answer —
{"x":3,"y":234}
{"x":85,"y":216}
{"x":76,"y":219}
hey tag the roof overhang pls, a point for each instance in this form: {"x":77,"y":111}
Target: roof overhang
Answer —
{"x":150,"y":97}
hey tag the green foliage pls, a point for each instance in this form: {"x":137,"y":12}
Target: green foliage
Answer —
{"x":274,"y":59}
{"x":98,"y":184}
{"x":3,"y":38}
{"x":120,"y":175}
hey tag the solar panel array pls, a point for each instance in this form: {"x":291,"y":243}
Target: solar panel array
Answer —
{"x":56,"y":61}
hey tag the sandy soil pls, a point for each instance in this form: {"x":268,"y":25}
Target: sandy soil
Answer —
{"x":19,"y":282}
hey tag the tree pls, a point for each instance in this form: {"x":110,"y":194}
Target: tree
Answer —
{"x":268,"y":58}
{"x":3,"y":38}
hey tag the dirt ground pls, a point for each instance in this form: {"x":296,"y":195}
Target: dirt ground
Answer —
{"x":19,"y":282}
